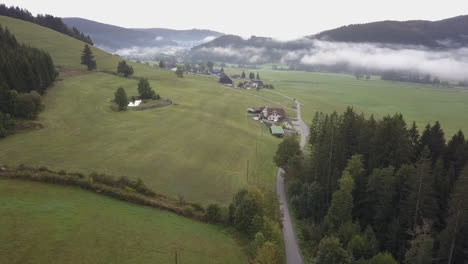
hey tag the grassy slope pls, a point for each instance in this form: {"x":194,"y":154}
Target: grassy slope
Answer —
{"x":198,"y":148}
{"x":66,"y":51}
{"x":329,"y":92}
{"x":69,"y":225}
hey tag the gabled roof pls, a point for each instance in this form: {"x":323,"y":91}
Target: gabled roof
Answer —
{"x":279,"y":111}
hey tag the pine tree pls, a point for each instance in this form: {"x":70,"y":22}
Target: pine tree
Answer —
{"x":162,"y":65}
{"x":121,"y":99}
{"x":243,"y":75}
{"x":179,"y":72}
{"x":87,"y":58}
{"x":145,"y":90}
{"x":124,"y":68}
{"x":341,"y":207}
{"x":258,"y":76}
{"x":454,"y":238}
{"x":420,"y":251}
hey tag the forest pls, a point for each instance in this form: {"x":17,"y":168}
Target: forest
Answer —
{"x":49,"y":21}
{"x":379,"y":191}
{"x":25,"y":74}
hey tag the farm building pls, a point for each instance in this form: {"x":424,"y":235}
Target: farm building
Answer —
{"x":224,"y":79}
{"x":267,"y":113}
{"x":277,"y":131}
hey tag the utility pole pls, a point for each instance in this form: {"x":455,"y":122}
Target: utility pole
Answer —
{"x":247,"y":171}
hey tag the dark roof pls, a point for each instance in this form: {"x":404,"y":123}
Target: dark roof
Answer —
{"x":225,"y":79}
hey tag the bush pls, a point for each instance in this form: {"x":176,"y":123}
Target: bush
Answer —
{"x":6,"y":124}
{"x":213,"y":213}
{"x":28,"y":105}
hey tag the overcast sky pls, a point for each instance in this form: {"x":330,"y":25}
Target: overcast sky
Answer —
{"x":275,"y":18}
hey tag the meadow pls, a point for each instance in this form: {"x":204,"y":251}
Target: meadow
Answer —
{"x":200,"y":149}
{"x":43,"y":223}
{"x":328,"y":92}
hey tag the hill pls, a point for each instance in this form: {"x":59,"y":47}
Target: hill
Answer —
{"x":425,"y":36}
{"x":44,"y":223}
{"x":447,"y":32}
{"x":129,"y":42}
{"x":196,"y":149}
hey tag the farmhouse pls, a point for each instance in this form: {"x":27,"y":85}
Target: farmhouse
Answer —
{"x":224,"y":79}
{"x":273,"y":114}
{"x":270,"y":114}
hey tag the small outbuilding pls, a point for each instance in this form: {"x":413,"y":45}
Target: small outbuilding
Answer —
{"x":277,"y":131}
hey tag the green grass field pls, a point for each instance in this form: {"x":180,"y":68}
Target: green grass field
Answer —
{"x":330,"y":92}
{"x":197,"y":148}
{"x":43,"y":223}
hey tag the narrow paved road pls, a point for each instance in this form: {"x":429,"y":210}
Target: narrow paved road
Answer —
{"x":293,"y":252}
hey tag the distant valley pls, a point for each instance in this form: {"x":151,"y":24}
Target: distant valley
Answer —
{"x":143,"y":43}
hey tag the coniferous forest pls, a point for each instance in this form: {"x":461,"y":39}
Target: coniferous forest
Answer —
{"x":25,"y":74}
{"x":380,"y":191}
{"x":49,"y":21}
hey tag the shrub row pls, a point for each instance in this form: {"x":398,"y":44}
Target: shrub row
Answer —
{"x":134,"y":191}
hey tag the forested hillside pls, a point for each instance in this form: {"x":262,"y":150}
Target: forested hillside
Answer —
{"x":25,"y":73}
{"x":451,"y":31}
{"x":48,"y":21}
{"x":374,"y":186}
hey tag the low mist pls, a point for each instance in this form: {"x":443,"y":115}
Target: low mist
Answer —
{"x":447,"y":63}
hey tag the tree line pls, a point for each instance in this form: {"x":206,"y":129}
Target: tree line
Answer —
{"x":379,"y":189}
{"x":49,"y":21}
{"x":25,"y":74}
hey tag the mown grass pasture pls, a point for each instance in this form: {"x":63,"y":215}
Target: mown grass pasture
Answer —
{"x":328,"y":92}
{"x":43,"y":223}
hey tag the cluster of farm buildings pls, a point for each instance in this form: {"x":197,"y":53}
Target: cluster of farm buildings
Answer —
{"x":275,"y":118}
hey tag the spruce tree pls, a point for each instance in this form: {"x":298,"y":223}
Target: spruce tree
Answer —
{"x":258,"y":76}
{"x":87,"y":58}
{"x":453,"y":240}
{"x":121,"y":99}
{"x":243,"y":75}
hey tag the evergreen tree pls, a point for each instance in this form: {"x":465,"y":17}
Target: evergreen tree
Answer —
{"x":243,"y":75}
{"x":258,"y":76}
{"x":453,"y":241}
{"x":120,"y":98}
{"x":87,"y":58}
{"x":162,"y":65}
{"x":382,"y":258}
{"x":330,"y":250}
{"x":145,"y":90}
{"x":179,"y":72}
{"x":210,"y":66}
{"x":124,"y":68}
{"x":414,"y":137}
{"x":420,"y":250}
{"x":340,"y":210}
{"x":381,"y":192}
{"x":433,"y":138}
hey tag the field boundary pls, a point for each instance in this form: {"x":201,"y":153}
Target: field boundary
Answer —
{"x":97,"y":185}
